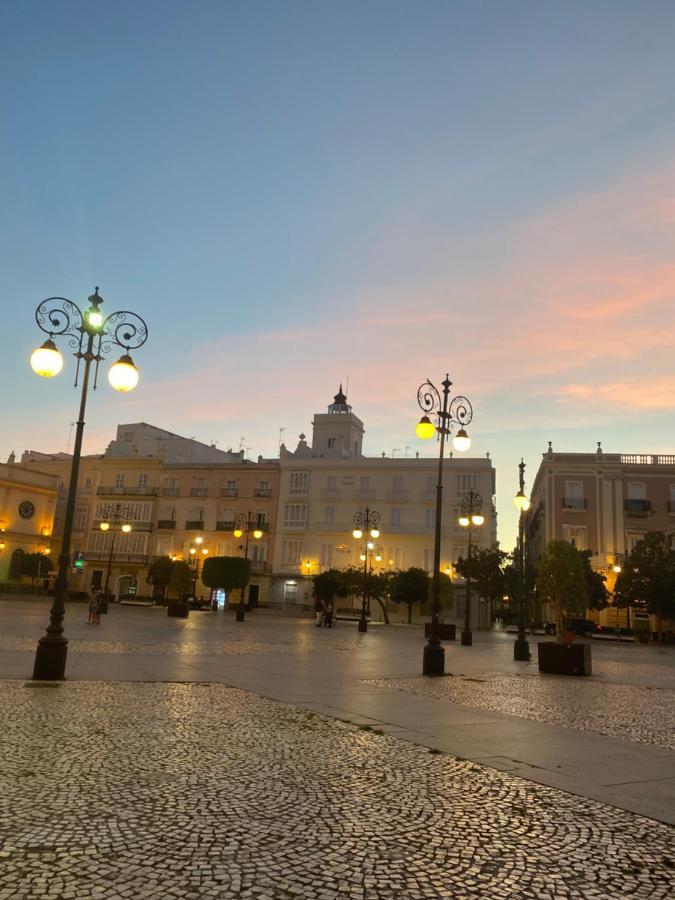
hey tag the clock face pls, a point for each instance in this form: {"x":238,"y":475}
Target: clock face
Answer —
{"x":26,"y":509}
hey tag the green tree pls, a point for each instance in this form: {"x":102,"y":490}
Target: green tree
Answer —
{"x":227,"y":572}
{"x":561,"y":581}
{"x":160,"y":572}
{"x":598,"y":595}
{"x":328,"y":585}
{"x":181,"y":578}
{"x":410,"y":586}
{"x":377,"y":582}
{"x":486,"y":568}
{"x":35,"y":565}
{"x":647,"y":579}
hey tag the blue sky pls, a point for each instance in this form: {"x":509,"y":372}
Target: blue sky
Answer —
{"x":294,"y":194}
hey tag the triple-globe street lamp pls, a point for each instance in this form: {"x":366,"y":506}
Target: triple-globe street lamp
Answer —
{"x":91,"y":335}
{"x":367,"y":523}
{"x":196,"y":551}
{"x":248,"y":525}
{"x":521,"y":647}
{"x":470,"y":516}
{"x":114,"y":518}
{"x":447,"y":413}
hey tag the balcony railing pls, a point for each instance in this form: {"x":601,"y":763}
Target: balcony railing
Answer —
{"x":194,"y":525}
{"x":225,"y":525}
{"x":229,"y":492}
{"x":574,"y":503}
{"x":198,"y":492}
{"x":262,"y":492}
{"x":166,"y":524}
{"x":95,"y":555}
{"x":648,"y":459}
{"x":428,"y":496}
{"x":135,"y":525}
{"x":137,"y":491}
{"x":170,"y":492}
{"x":638,"y":507}
{"x":259,"y":565}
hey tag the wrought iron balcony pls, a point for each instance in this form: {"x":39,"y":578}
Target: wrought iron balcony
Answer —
{"x":194,"y":525}
{"x":262,"y":492}
{"x":170,"y":491}
{"x":225,"y":525}
{"x":166,"y":524}
{"x":574,"y":503}
{"x":137,"y":491}
{"x":638,"y":507}
{"x":198,"y":492}
{"x":229,"y":492}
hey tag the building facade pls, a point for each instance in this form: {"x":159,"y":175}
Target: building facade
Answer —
{"x":27,"y":507}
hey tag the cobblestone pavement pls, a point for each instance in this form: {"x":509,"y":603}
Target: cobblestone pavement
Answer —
{"x":111,"y":790}
{"x":632,"y":712}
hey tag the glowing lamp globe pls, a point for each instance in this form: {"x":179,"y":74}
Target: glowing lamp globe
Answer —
{"x":104,"y":526}
{"x":357,"y":533}
{"x":375,"y":532}
{"x":521,"y":501}
{"x":123,"y":376}
{"x":257,"y":534}
{"x":425,"y":428}
{"x":616,"y":568}
{"x":126,"y":528}
{"x":478,"y":518}
{"x":378,"y":557}
{"x":461,"y":441}
{"x":237,"y":532}
{"x":463,"y":521}
{"x":94,"y":319}
{"x":46,"y":360}
{"x":192,"y":551}
{"x":362,"y":557}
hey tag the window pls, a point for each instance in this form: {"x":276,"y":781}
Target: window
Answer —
{"x":364,"y":484}
{"x":260,"y":517}
{"x":80,"y":518}
{"x":230,"y":488}
{"x":574,"y":490}
{"x":331,"y":443}
{"x":576,"y":534}
{"x":299,"y":482}
{"x":257,"y":551}
{"x":466,"y":481}
{"x":429,"y":518}
{"x":295,"y":515}
{"x":292,"y":552}
{"x":142,"y":482}
{"x":326,"y":556}
{"x":397,"y":484}
{"x":87,"y":483}
{"x":329,"y":515}
{"x":396,"y":518}
{"x":196,"y":514}
{"x":429,"y":560}
{"x":394,"y":558}
{"x":637,"y":490}
{"x":119,"y":481}
{"x":331,"y":484}
{"x":128,"y":437}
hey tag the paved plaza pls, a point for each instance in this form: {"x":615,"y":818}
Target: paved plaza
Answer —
{"x":271,"y":759}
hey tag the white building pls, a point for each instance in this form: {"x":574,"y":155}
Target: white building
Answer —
{"x":323,"y":485}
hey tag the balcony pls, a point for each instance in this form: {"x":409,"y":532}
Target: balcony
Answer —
{"x":102,"y":555}
{"x":166,"y":524}
{"x":638,"y":508}
{"x":574,"y":503}
{"x":198,"y":492}
{"x":262,"y":492}
{"x":137,"y":491}
{"x":259,"y":565}
{"x":225,"y":525}
{"x":194,"y":525}
{"x":229,"y":492}
{"x":170,"y":492}
{"x":135,"y":525}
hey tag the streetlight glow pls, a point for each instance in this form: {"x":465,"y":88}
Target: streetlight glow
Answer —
{"x":375,"y":532}
{"x":104,"y":526}
{"x":123,"y":375}
{"x":461,"y":441}
{"x":238,"y":533}
{"x":257,"y":534}
{"x":46,"y":360}
{"x":463,"y":521}
{"x":425,"y":428}
{"x":521,"y":501}
{"x":478,"y":518}
{"x":126,"y":528}
{"x":357,"y":533}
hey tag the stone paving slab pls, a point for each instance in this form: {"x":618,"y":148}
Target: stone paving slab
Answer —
{"x":112,"y":790}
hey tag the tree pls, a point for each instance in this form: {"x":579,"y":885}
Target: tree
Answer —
{"x":160,"y":573}
{"x":486,"y":570}
{"x":598,"y":595}
{"x":561,"y":580}
{"x":410,"y":586}
{"x":36,"y":565}
{"x":227,"y":572}
{"x":647,"y":579}
{"x":181,"y":578}
{"x":377,"y":584}
{"x":328,"y":585}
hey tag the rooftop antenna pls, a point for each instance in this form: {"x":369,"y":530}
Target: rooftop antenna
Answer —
{"x":242,"y":441}
{"x":281,"y":433}
{"x":406,"y":451}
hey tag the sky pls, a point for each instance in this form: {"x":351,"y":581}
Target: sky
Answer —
{"x":298,"y":194}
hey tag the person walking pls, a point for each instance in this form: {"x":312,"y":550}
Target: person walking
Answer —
{"x":99,"y":606}
{"x":93,"y":603}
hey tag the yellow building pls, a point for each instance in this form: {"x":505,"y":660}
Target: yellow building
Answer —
{"x":27,"y":506}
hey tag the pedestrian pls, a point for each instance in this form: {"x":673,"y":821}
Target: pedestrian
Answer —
{"x":318,"y":609}
{"x":93,"y":603}
{"x":99,"y":606}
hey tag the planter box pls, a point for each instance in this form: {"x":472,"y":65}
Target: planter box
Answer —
{"x":558,"y":658}
{"x":178,"y":610}
{"x":447,"y":630}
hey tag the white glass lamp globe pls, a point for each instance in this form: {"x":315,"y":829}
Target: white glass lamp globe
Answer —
{"x":357,"y":533}
{"x":104,"y":526}
{"x":461,"y":441}
{"x":257,"y":534}
{"x":46,"y":360}
{"x":478,"y":518}
{"x":521,"y":502}
{"x":463,"y":521}
{"x":123,"y":375}
{"x":375,"y":532}
{"x":237,"y":532}
{"x":126,"y":528}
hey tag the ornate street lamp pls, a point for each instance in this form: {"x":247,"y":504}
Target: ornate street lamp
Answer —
{"x":366,"y":522}
{"x":92,"y":336}
{"x":470,"y":516}
{"x":248,"y":525}
{"x":521,"y":647}
{"x":196,"y":552}
{"x":112,"y":517}
{"x":447,"y":414}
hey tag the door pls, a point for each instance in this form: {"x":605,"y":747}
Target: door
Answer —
{"x":253,"y":595}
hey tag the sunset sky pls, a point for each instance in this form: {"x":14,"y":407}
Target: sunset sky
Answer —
{"x":294,"y":194}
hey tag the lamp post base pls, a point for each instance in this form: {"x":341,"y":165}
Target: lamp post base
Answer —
{"x":363,"y":625}
{"x":521,"y":650}
{"x":50,"y":659}
{"x":433,"y":660}
{"x":240,"y":613}
{"x":467,"y":639}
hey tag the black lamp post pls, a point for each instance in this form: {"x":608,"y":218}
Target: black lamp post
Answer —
{"x":470,"y":516}
{"x":112,"y":520}
{"x":367,"y":523}
{"x":92,"y":336}
{"x":197,"y":550}
{"x":447,"y":413}
{"x":246,"y":525}
{"x":521,"y":647}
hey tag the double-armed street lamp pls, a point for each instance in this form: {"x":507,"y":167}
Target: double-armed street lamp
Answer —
{"x":470,"y":516}
{"x":367,"y":523}
{"x":115,"y":518}
{"x":91,"y":335}
{"x":521,"y":647}
{"x":248,"y":525}
{"x":197,"y":551}
{"x":447,"y":414}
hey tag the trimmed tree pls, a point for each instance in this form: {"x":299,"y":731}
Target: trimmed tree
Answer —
{"x":229,"y":573}
{"x":487,"y":571}
{"x":160,"y":572}
{"x":598,"y":595}
{"x":378,"y":586}
{"x":328,"y":585}
{"x":181,"y":578}
{"x":561,"y":581}
{"x":36,"y":564}
{"x":410,"y":586}
{"x":647,"y":580}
